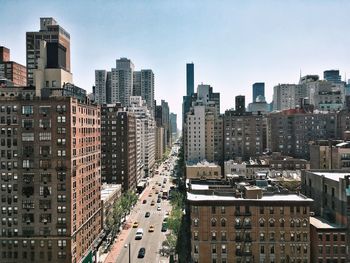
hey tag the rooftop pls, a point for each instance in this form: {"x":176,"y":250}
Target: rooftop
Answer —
{"x":108,"y":190}
{"x":202,"y":164}
{"x":277,"y":197}
{"x":322,"y":223}
{"x":336,"y":176}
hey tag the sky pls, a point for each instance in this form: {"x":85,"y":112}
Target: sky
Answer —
{"x":232,"y":44}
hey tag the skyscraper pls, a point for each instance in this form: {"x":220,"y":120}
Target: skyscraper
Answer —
{"x":143,"y":85}
{"x":190,"y":78}
{"x":59,"y":51}
{"x":122,"y":81}
{"x":332,"y":75}
{"x":258,"y":90}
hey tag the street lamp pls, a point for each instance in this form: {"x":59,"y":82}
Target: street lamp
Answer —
{"x":129,"y":253}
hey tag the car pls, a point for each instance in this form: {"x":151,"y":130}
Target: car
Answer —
{"x":159,"y":184}
{"x":159,"y":196}
{"x":153,"y":187}
{"x":157,"y":191}
{"x":164,"y":228}
{"x":159,"y":200}
{"x":148,"y":214}
{"x":151,"y":228}
{"x":141,"y":253}
{"x":163,"y":186}
{"x":153,"y":203}
{"x":149,"y":195}
{"x":139,"y":234}
{"x":135,"y":225}
{"x":167,"y":213}
{"x":144,"y":201}
{"x":159,"y":208}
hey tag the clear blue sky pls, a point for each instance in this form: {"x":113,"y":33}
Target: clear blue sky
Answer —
{"x":232,"y":43}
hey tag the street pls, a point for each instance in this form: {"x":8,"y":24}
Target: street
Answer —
{"x":151,"y":241}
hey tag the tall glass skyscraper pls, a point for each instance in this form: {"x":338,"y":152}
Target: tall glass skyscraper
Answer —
{"x":190,"y":78}
{"x":258,"y":89}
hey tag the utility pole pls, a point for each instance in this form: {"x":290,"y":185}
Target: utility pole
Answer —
{"x":129,"y":252}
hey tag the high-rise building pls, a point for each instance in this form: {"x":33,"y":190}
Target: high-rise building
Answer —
{"x":48,"y":73}
{"x":290,"y":131}
{"x":288,"y":96}
{"x":173,"y":124}
{"x":58,"y":47}
{"x":240,"y":104}
{"x":122,"y":81}
{"x":147,"y":133}
{"x":118,"y":135}
{"x":51,"y":173}
{"x":143,"y":85}
{"x":189,"y":79}
{"x":258,"y":90}
{"x":332,"y":76}
{"x":244,"y":134}
{"x":101,"y":95}
{"x":10,"y":70}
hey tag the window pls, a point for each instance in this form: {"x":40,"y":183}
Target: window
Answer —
{"x":262,"y":250}
{"x":222,"y":210}
{"x":196,"y":222}
{"x":28,"y":137}
{"x":61,"y":119}
{"x":223,"y":249}
{"x":271,"y":210}
{"x":45,"y":136}
{"x":213,"y":222}
{"x":213,"y":210}
{"x":223,"y":222}
{"x":195,"y":235}
{"x":223,"y":236}
{"x":213,"y":236}
{"x":28,"y":109}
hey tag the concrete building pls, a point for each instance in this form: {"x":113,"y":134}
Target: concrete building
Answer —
{"x":50,"y":177}
{"x":288,"y":96}
{"x":147,"y":133}
{"x":259,"y":105}
{"x":49,"y":74}
{"x":58,"y":41}
{"x":10,"y":70}
{"x":331,"y":228}
{"x":245,"y":169}
{"x":230,"y":224}
{"x":290,"y":132}
{"x":330,"y":154}
{"x":118,"y":133}
{"x":203,"y":171}
{"x":110,"y":193}
{"x":159,"y":142}
{"x":102,"y":88}
{"x":122,"y":81}
{"x":173,"y":125}
{"x":244,"y":134}
{"x":202,"y":130}
{"x":143,"y":85}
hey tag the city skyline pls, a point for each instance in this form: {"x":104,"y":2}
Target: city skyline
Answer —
{"x":232,"y":45}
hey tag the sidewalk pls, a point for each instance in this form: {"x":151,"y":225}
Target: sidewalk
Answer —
{"x":119,"y":242}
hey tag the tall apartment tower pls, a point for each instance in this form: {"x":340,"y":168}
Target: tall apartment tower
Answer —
{"x":122,"y":81}
{"x":143,"y":85}
{"x":118,"y":146}
{"x":101,"y":94}
{"x":51,"y":32}
{"x":189,"y":79}
{"x":258,"y":90}
{"x":10,"y":70}
{"x":50,"y":177}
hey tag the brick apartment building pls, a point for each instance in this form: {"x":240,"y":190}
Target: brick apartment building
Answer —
{"x":232,"y":225}
{"x":50,"y":177}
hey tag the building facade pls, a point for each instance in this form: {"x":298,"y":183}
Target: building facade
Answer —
{"x":118,"y":133}
{"x":10,"y":70}
{"x":52,"y":33}
{"x":50,"y":169}
{"x":248,"y":227}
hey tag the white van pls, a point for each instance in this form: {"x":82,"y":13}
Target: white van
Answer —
{"x":139,"y":234}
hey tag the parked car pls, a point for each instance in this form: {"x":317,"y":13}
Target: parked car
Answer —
{"x":144,"y":201}
{"x":136,"y":224}
{"x":148,"y":214}
{"x":151,"y":228}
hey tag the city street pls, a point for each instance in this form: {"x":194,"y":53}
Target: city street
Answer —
{"x":151,"y":241}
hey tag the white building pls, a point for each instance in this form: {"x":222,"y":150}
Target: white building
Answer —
{"x":147,"y":129}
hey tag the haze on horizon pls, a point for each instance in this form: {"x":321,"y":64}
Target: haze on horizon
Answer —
{"x":232,"y":43}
